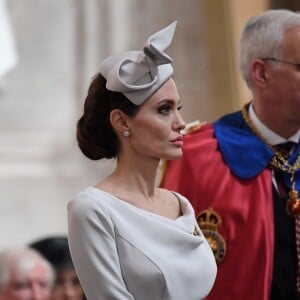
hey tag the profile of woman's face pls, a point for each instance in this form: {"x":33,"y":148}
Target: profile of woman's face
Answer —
{"x":155,"y":130}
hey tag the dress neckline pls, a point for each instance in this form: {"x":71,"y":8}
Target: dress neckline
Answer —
{"x":128,"y":204}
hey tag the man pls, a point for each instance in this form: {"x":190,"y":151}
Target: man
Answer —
{"x":245,"y":189}
{"x":56,"y":250}
{"x":25,"y":275}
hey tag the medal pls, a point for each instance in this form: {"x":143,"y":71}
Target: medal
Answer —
{"x":208,"y":220}
{"x":280,"y":163}
{"x":293,"y":203}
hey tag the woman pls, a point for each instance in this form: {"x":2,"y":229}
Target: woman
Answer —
{"x":128,"y":238}
{"x":56,"y":250}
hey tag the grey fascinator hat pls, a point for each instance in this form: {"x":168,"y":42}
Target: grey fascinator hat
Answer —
{"x":139,"y":74}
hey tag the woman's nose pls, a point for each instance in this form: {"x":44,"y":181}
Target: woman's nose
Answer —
{"x":179,"y":122}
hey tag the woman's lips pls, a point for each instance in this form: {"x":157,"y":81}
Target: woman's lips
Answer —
{"x":178,"y":141}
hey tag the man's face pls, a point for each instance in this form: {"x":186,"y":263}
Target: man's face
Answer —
{"x":32,"y":286}
{"x":286,"y":78}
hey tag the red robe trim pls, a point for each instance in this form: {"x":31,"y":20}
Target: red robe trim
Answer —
{"x":246,"y":209}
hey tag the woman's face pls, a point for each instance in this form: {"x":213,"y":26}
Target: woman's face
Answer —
{"x":67,"y":286}
{"x":155,"y":130}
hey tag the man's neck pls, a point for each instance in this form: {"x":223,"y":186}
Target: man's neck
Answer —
{"x":271,"y":136}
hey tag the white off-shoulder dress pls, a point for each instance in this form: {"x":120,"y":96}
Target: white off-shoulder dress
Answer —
{"x":122,"y":252}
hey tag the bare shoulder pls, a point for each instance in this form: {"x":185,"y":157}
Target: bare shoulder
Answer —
{"x":169,"y":197}
{"x":165,"y":192}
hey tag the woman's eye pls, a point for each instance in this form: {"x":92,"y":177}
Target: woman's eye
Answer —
{"x":164,"y":110}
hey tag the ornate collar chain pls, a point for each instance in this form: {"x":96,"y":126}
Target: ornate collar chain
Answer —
{"x":280,"y":162}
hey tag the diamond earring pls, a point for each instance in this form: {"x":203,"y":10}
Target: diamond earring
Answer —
{"x":126,"y":133}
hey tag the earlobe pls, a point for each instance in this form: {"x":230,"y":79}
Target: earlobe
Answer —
{"x":259,"y":73}
{"x":118,"y":121}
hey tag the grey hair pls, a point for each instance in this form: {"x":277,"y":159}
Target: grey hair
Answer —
{"x":262,"y":37}
{"x":24,"y":260}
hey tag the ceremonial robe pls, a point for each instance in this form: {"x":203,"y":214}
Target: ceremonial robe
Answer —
{"x":225,"y":167}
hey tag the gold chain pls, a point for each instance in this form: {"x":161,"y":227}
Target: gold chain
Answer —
{"x":279,"y":162}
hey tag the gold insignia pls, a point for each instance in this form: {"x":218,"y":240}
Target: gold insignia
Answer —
{"x":209,"y":220}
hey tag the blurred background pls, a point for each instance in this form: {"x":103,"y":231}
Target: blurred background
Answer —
{"x":49,"y":50}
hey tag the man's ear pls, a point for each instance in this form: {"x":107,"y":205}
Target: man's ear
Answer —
{"x":260,"y":73}
{"x":118,"y":121}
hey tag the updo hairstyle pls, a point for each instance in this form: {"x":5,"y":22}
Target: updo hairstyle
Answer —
{"x":96,"y":137}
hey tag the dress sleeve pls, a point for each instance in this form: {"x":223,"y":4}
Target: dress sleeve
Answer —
{"x":93,"y":250}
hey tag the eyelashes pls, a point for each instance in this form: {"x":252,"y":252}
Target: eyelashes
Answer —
{"x":166,"y":106}
{"x":164,"y":109}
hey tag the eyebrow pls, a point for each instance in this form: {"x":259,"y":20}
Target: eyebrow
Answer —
{"x":169,"y":101}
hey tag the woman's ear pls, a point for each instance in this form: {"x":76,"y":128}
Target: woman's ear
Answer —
{"x":118,"y":121}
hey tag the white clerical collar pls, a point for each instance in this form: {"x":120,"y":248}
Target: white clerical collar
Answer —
{"x":270,"y":136}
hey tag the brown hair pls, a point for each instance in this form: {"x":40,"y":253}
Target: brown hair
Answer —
{"x":95,"y":135}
